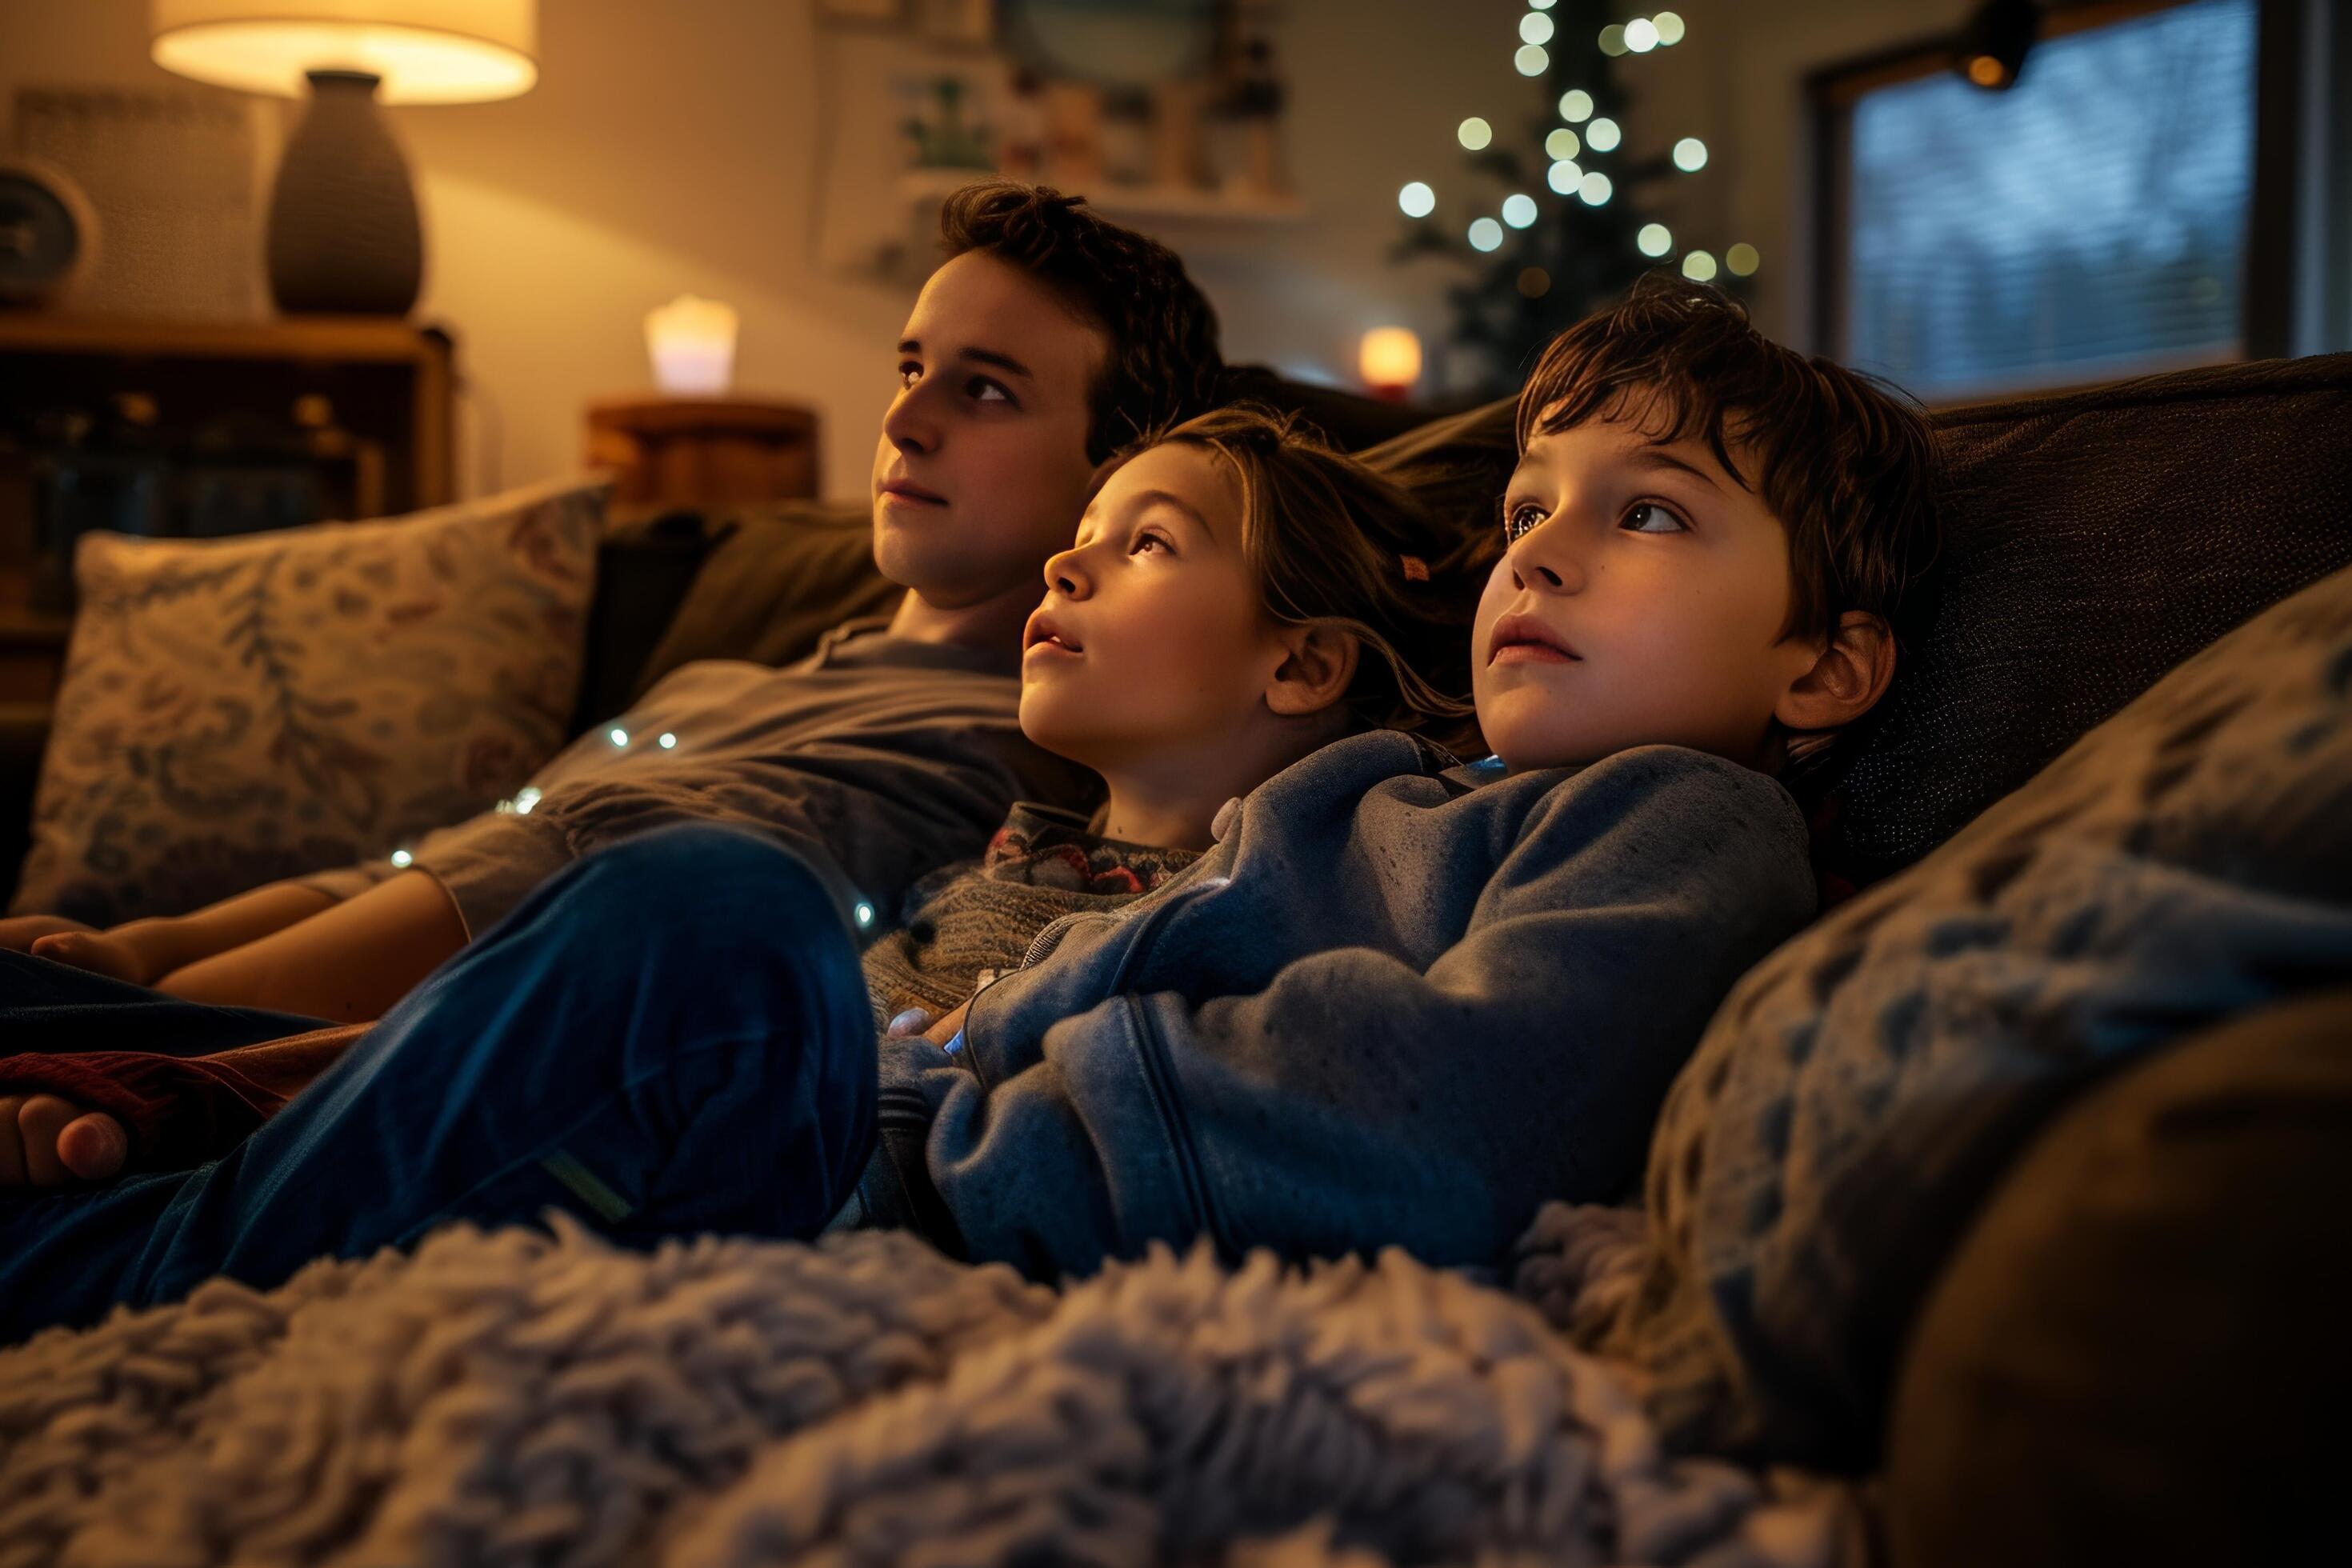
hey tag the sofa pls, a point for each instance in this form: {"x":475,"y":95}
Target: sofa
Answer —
{"x":2114,"y":1334}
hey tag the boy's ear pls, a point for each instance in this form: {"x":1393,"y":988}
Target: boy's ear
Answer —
{"x":1318,"y":662}
{"x":1847,"y":679}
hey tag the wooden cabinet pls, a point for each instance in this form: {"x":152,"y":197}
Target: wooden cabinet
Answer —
{"x":198,"y":429}
{"x":678,"y":451}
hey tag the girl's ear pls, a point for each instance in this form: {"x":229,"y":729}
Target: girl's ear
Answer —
{"x":1846,"y":679}
{"x":1318,"y":666}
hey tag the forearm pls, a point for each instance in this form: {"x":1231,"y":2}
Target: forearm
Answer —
{"x":348,"y":964}
{"x":163,"y":945}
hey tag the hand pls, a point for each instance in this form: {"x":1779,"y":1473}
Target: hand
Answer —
{"x":19,"y":935}
{"x":947,"y":1028}
{"x":46,"y":1141}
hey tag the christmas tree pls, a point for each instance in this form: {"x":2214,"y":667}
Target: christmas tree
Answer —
{"x":1553,"y":222}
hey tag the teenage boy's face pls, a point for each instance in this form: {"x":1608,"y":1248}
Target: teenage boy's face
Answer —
{"x":1151,"y":644}
{"x":1641,"y":601}
{"x":982,"y":461}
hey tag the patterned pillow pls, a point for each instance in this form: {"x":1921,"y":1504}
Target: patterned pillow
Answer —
{"x":1861,"y":1090}
{"x":238,"y":710}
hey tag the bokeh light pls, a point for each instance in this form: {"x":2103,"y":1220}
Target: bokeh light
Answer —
{"x":1562,"y":144}
{"x":1417,"y":200}
{"x":1535,"y":282}
{"x":1699,"y":266}
{"x":1655,"y":239}
{"x":1594,"y":188}
{"x":1473,"y":133}
{"x":1564,"y":176}
{"x":1669,"y":26}
{"x":1536,"y":28}
{"x":1603,"y":135}
{"x":1742,"y":259}
{"x":1576,"y":105}
{"x":1690,"y":154}
{"x":1531,"y":59}
{"x":1640,"y":35}
{"x":1518,"y":210}
{"x":1612,"y":39}
{"x":1485,"y":235}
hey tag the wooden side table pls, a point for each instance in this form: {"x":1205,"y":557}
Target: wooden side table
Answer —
{"x":674,"y":451}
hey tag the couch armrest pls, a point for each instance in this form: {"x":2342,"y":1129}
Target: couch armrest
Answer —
{"x":2138,"y":1352}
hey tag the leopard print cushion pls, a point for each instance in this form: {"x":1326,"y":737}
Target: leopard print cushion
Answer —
{"x":1862,"y":1089}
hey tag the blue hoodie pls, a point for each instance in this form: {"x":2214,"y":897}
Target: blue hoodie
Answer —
{"x":1399,"y":1002}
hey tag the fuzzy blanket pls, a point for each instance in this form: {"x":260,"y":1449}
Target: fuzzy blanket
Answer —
{"x":526,"y":1397}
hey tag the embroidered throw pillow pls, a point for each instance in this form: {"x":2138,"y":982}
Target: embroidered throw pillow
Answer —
{"x":1860,"y":1090}
{"x":238,"y":710}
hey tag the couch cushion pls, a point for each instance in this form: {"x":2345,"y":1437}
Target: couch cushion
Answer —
{"x":238,"y":710}
{"x":1860,"y":1090}
{"x":2139,"y":1353}
{"x":2092,"y":542}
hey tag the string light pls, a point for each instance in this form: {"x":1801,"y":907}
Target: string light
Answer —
{"x":1742,"y":259}
{"x":525,"y":798}
{"x":1594,"y":188}
{"x":1564,"y":176}
{"x":864,"y":913}
{"x":620,"y":737}
{"x":1531,"y":59}
{"x":1669,"y":26}
{"x":1417,"y":200}
{"x":1690,"y":154}
{"x":1699,"y":266}
{"x":1486,"y":234}
{"x":668,"y":742}
{"x":1655,"y":239}
{"x":402,"y":858}
{"x":1518,"y":210}
{"x":1603,"y":135}
{"x":1473,"y":133}
{"x":1640,"y":35}
{"x":1562,"y":144}
{"x":1536,"y":28}
{"x":1576,"y":105}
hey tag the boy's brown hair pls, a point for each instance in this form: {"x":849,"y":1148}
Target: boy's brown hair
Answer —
{"x":1333,"y":542}
{"x":1165,"y":361}
{"x":1846,"y":463}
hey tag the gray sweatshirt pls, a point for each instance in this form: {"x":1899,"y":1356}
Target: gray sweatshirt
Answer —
{"x":877,"y":758}
{"x":1397,"y":1002}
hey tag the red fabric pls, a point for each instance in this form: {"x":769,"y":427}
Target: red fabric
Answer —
{"x":182,"y":1110}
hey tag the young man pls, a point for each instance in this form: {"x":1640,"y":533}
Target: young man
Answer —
{"x":1047,"y":337}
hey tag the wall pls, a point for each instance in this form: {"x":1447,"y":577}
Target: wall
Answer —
{"x":676,"y":148}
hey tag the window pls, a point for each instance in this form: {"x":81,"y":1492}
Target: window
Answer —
{"x":2089,"y":223}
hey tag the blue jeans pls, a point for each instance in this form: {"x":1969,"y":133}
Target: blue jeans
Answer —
{"x":671,"y":1036}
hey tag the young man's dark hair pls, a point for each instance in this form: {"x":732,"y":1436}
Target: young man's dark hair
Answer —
{"x":1164,"y":364}
{"x":1845,"y":461}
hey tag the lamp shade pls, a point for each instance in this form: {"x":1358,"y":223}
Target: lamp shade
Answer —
{"x":425,"y":51}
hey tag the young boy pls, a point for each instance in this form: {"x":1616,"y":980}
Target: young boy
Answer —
{"x":1045,"y":340}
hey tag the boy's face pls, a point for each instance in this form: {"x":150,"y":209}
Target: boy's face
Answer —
{"x":1641,"y":601}
{"x":983,"y":463}
{"x":1151,"y":644}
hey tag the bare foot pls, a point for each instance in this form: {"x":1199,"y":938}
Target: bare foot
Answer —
{"x":99,"y":953}
{"x":46,"y":1141}
{"x":19,"y":934}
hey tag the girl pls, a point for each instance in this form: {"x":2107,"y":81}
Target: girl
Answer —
{"x":669,"y":1043}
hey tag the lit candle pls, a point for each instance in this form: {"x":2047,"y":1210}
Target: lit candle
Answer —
{"x":692,"y":341}
{"x":1390,"y":361}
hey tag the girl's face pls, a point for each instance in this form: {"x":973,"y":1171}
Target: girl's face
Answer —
{"x":1151,"y":644}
